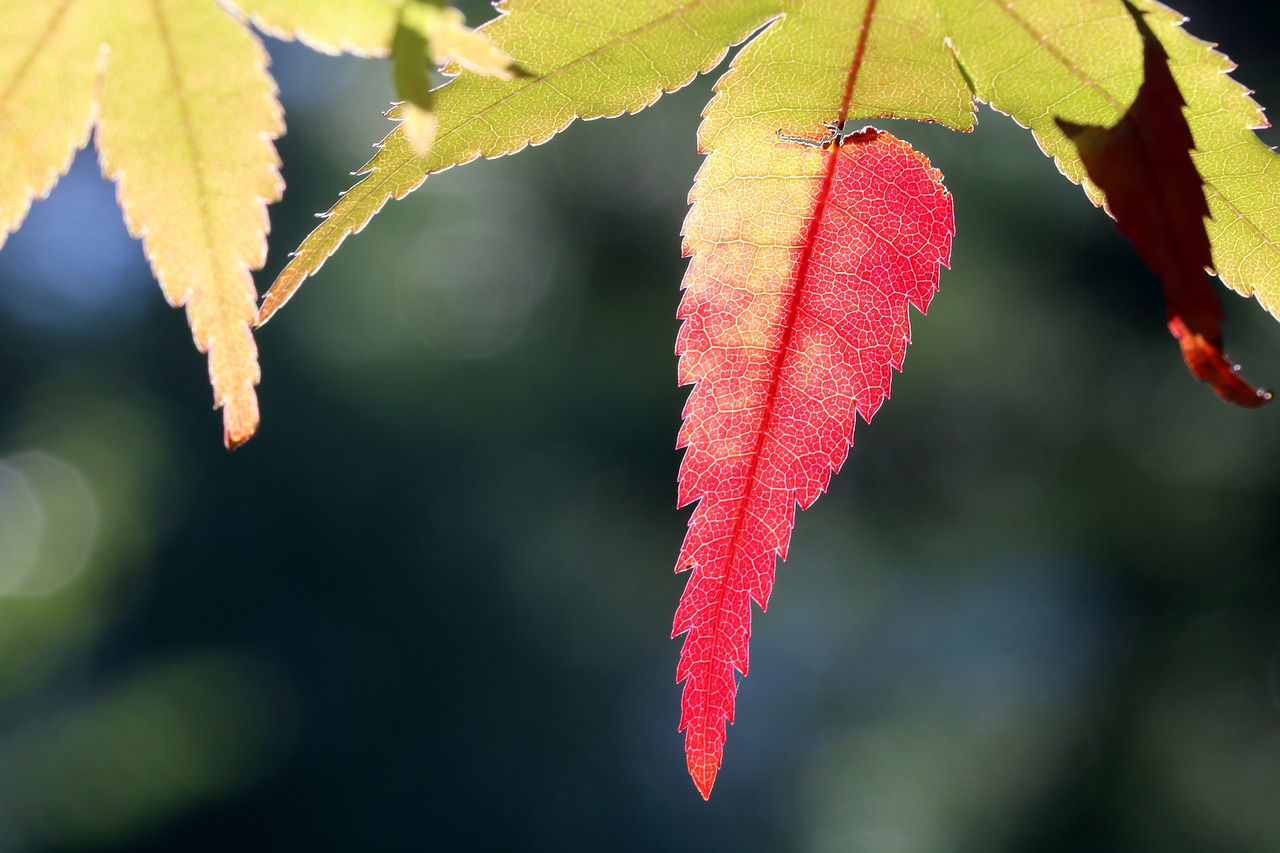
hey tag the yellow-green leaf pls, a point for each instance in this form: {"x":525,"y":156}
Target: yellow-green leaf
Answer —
{"x":1081,"y":61}
{"x":585,"y":59}
{"x":193,"y":186}
{"x":410,"y":67}
{"x":49,"y":58}
{"x":452,"y":40}
{"x":186,"y":112}
{"x":1241,"y":173}
{"x":415,"y":32}
{"x":362,"y":27}
{"x":800,"y":73}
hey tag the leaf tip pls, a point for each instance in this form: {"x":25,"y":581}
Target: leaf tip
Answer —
{"x":233,"y":443}
{"x":1208,"y":363}
{"x":235,"y":435}
{"x":240,"y":418}
{"x":703,"y":769}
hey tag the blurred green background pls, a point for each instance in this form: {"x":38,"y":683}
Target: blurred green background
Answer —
{"x":428,"y":606}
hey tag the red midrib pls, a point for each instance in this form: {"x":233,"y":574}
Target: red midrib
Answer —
{"x":801,"y":278}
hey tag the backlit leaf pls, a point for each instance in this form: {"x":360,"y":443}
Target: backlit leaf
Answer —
{"x":411,"y":65}
{"x":786,"y":338}
{"x":452,"y":40}
{"x":428,"y":34}
{"x":362,"y":27}
{"x":1143,"y":165}
{"x":793,"y":312}
{"x":584,"y":59}
{"x":50,"y":58}
{"x":194,"y":187}
{"x":185,"y":115}
{"x":1082,"y":61}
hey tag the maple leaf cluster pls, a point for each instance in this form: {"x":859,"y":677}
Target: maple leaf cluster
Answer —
{"x":806,"y":244}
{"x":194,"y":186}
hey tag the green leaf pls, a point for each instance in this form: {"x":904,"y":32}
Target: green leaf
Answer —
{"x":50,"y":55}
{"x":429,"y":33}
{"x":186,"y":115}
{"x":1041,"y":59}
{"x":452,"y":40}
{"x":410,"y":68}
{"x":194,"y":187}
{"x":800,"y":74}
{"x":585,"y":59}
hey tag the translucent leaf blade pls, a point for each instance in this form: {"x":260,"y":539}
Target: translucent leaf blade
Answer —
{"x":194,"y":186}
{"x":362,"y":27}
{"x":49,"y":57}
{"x":452,"y":40}
{"x":584,"y":58}
{"x":787,"y":333}
{"x":796,"y":74}
{"x":1041,"y":59}
{"x":785,"y":348}
{"x":1143,"y":164}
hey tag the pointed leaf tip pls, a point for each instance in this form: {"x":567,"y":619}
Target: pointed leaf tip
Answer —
{"x":193,"y":187}
{"x":704,"y":777}
{"x":240,"y":423}
{"x":1208,"y":363}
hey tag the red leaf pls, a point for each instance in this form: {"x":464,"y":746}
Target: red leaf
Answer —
{"x":781,"y":360}
{"x":1156,"y":196}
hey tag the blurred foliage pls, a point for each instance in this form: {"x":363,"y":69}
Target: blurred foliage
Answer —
{"x":104,"y":769}
{"x":428,"y":606}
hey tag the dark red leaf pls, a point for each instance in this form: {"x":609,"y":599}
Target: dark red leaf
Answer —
{"x":1143,"y":164}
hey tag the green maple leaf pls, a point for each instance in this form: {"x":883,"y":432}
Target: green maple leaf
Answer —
{"x":184,"y":111}
{"x":1084,"y":64}
{"x":583,"y":58}
{"x":930,"y":60}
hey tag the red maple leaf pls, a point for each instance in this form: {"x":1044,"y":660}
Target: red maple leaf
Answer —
{"x":1143,"y":164}
{"x":782,"y":359}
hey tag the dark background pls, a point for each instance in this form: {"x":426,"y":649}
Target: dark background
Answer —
{"x":428,"y":606}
